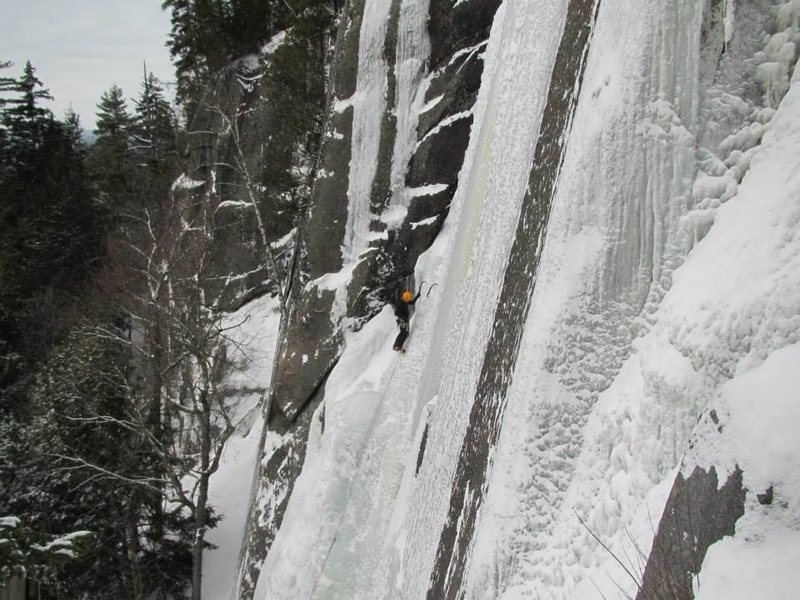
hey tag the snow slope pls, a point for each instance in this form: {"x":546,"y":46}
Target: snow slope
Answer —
{"x":252,"y":333}
{"x":760,"y":413}
{"x":750,"y":278}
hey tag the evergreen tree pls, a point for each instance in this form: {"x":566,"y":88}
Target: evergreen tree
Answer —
{"x":113,"y":120}
{"x":49,"y":233}
{"x":78,"y":465}
{"x":109,"y":158}
{"x":251,"y":22}
{"x":93,"y":446}
{"x":27,"y":553}
{"x":25,"y":120}
{"x":7,"y":84}
{"x":154,"y":126}
{"x":74,"y":132}
{"x":207,"y":34}
{"x":197,"y":42}
{"x":295,"y":92}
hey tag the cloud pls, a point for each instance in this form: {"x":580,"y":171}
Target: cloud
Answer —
{"x":81,"y":47}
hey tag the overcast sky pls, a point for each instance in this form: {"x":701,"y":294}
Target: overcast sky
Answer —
{"x":79,"y":48}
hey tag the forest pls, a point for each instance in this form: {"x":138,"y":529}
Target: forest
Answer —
{"x":113,"y":290}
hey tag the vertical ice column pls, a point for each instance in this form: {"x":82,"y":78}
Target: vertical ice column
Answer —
{"x":413,"y":49}
{"x":369,"y":103}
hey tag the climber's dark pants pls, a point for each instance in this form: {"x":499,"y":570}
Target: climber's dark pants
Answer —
{"x":402,"y":336}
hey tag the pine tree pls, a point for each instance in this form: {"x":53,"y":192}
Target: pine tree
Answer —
{"x":25,"y":121}
{"x":27,"y":553}
{"x":74,"y":131}
{"x":113,"y":120}
{"x":252,"y":22}
{"x":197,"y":42}
{"x":109,"y":158}
{"x":78,"y":465}
{"x":207,"y":34}
{"x":295,"y":92}
{"x":154,"y":126}
{"x":49,"y":234}
{"x":7,"y":84}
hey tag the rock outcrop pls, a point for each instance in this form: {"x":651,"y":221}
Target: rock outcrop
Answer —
{"x":699,"y":512}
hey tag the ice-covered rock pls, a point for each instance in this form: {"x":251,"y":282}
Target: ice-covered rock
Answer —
{"x":564,"y":395}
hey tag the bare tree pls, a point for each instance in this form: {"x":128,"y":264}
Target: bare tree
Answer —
{"x":188,"y":358}
{"x":252,"y":193}
{"x":179,"y":341}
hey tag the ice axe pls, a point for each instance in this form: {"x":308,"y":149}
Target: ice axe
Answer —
{"x":430,"y":288}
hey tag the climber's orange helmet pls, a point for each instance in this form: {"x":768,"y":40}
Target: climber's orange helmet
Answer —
{"x":406,"y":296}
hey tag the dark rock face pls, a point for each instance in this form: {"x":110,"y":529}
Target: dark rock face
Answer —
{"x":311,"y":341}
{"x":325,"y":226}
{"x":421,"y":453}
{"x":310,"y":344}
{"x":231,"y":140}
{"x":442,"y":142}
{"x":696,"y":516}
{"x":767,"y":497}
{"x":440,"y":155}
{"x":457,"y":84}
{"x":217,"y":185}
{"x":309,"y":330}
{"x":452,"y":29}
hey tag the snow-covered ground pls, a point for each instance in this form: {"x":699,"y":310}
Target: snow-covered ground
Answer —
{"x":749,"y":284}
{"x":669,"y":284}
{"x":252,"y":335}
{"x":760,"y":414}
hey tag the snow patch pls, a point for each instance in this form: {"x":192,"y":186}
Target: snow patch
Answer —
{"x":446,"y":123}
{"x":252,"y":332}
{"x":184,"y":182}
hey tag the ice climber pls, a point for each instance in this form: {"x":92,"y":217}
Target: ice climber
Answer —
{"x":402,"y":312}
